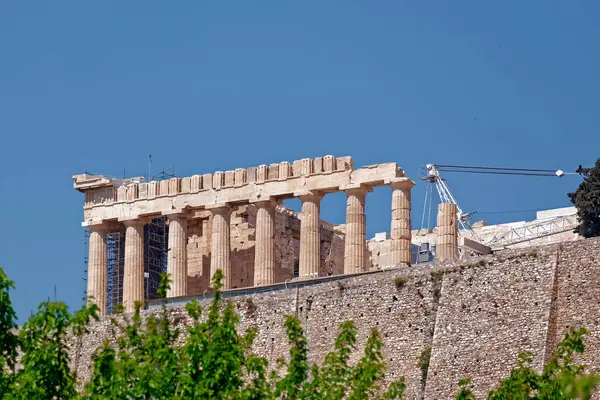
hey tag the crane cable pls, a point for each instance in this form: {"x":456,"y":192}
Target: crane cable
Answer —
{"x":501,"y":171}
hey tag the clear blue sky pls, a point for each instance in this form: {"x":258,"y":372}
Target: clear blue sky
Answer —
{"x":205,"y":86}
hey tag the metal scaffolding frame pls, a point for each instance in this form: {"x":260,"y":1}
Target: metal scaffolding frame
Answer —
{"x":115,"y":247}
{"x":156,"y":235}
{"x":534,"y":230}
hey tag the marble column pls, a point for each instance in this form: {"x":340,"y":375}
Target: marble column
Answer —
{"x":355,"y":251}
{"x":220,"y":257}
{"x":97,"y":268}
{"x":177,"y":255}
{"x":133,"y":282}
{"x":310,"y":236}
{"x":264,"y":249}
{"x":447,"y":233}
{"x":400,"y":233}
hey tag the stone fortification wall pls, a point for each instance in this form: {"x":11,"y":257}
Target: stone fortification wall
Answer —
{"x":475,"y":316}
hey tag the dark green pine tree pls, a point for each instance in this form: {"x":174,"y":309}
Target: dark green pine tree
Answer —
{"x":587,"y":200}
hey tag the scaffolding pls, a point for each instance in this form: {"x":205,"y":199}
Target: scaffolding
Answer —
{"x":115,"y":246}
{"x":156,"y":235}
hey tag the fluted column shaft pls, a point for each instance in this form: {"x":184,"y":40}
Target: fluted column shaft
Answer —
{"x":220,"y":249}
{"x":97,"y":268}
{"x":310,"y":236}
{"x":133,"y":283}
{"x":177,"y":255}
{"x":400,"y":233}
{"x":355,"y":252}
{"x":447,"y":233}
{"x":264,"y":249}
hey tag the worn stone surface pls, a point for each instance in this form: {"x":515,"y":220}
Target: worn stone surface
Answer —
{"x":177,"y":255}
{"x":97,"y":266}
{"x":476,"y":316}
{"x":133,"y":282}
{"x":447,"y":244}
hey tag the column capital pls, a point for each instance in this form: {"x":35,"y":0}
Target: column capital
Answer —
{"x":175,"y":213}
{"x":91,"y":223}
{"x":400,"y":183}
{"x":356,"y":188}
{"x":219,"y":207}
{"x":135,"y":222}
{"x":309,"y":195}
{"x":265,"y":202}
{"x":100,"y":228}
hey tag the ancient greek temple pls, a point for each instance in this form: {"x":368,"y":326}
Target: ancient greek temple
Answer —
{"x":202,"y":212}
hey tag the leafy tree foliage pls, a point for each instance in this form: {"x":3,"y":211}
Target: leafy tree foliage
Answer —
{"x":559,"y":380}
{"x":587,"y":200}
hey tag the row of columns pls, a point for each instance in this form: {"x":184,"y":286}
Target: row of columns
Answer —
{"x":355,"y":254}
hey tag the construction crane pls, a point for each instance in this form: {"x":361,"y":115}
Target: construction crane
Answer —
{"x":434,"y":177}
{"x":445,"y":195}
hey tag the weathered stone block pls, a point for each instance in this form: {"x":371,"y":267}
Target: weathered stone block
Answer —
{"x":163,"y":188}
{"x":174,"y":185}
{"x":240,"y":177}
{"x":207,"y":181}
{"x":186,"y":184}
{"x":318,"y":165}
{"x":273,"y":172}
{"x":218,"y":180}
{"x":196,"y":183}
{"x":285,"y":170}
{"x":251,"y":175}
{"x":122,"y":193}
{"x":329,"y":163}
{"x":229,"y":178}
{"x":261,"y":174}
{"x":143,"y":190}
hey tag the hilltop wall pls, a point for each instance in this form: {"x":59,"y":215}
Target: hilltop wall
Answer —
{"x":476,"y":316}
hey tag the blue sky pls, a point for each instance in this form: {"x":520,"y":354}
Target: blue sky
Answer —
{"x":206,"y":86}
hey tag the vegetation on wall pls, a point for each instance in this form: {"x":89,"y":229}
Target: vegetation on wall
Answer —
{"x":587,"y":201}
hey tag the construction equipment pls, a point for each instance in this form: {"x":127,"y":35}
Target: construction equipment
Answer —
{"x":514,"y":235}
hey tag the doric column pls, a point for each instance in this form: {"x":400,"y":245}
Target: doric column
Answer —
{"x":401,"y":253}
{"x":133,"y":283}
{"x":177,"y":255}
{"x":447,"y":233}
{"x":97,"y":268}
{"x":355,"y":252}
{"x":220,"y":249}
{"x":310,"y":235}
{"x":264,"y":249}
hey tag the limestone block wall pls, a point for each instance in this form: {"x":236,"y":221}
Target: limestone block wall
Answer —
{"x":487,"y":315}
{"x":576,"y":296}
{"x":476,"y":316}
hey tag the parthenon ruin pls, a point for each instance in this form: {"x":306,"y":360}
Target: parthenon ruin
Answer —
{"x":203,"y":213}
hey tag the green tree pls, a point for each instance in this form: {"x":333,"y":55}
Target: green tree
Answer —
{"x":43,"y":341}
{"x":587,"y":201}
{"x":560,"y":379}
{"x":8,"y":339}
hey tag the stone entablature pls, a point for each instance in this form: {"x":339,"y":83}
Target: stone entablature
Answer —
{"x":111,"y":203}
{"x":115,"y":199}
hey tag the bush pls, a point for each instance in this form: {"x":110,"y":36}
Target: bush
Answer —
{"x":400,"y":281}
